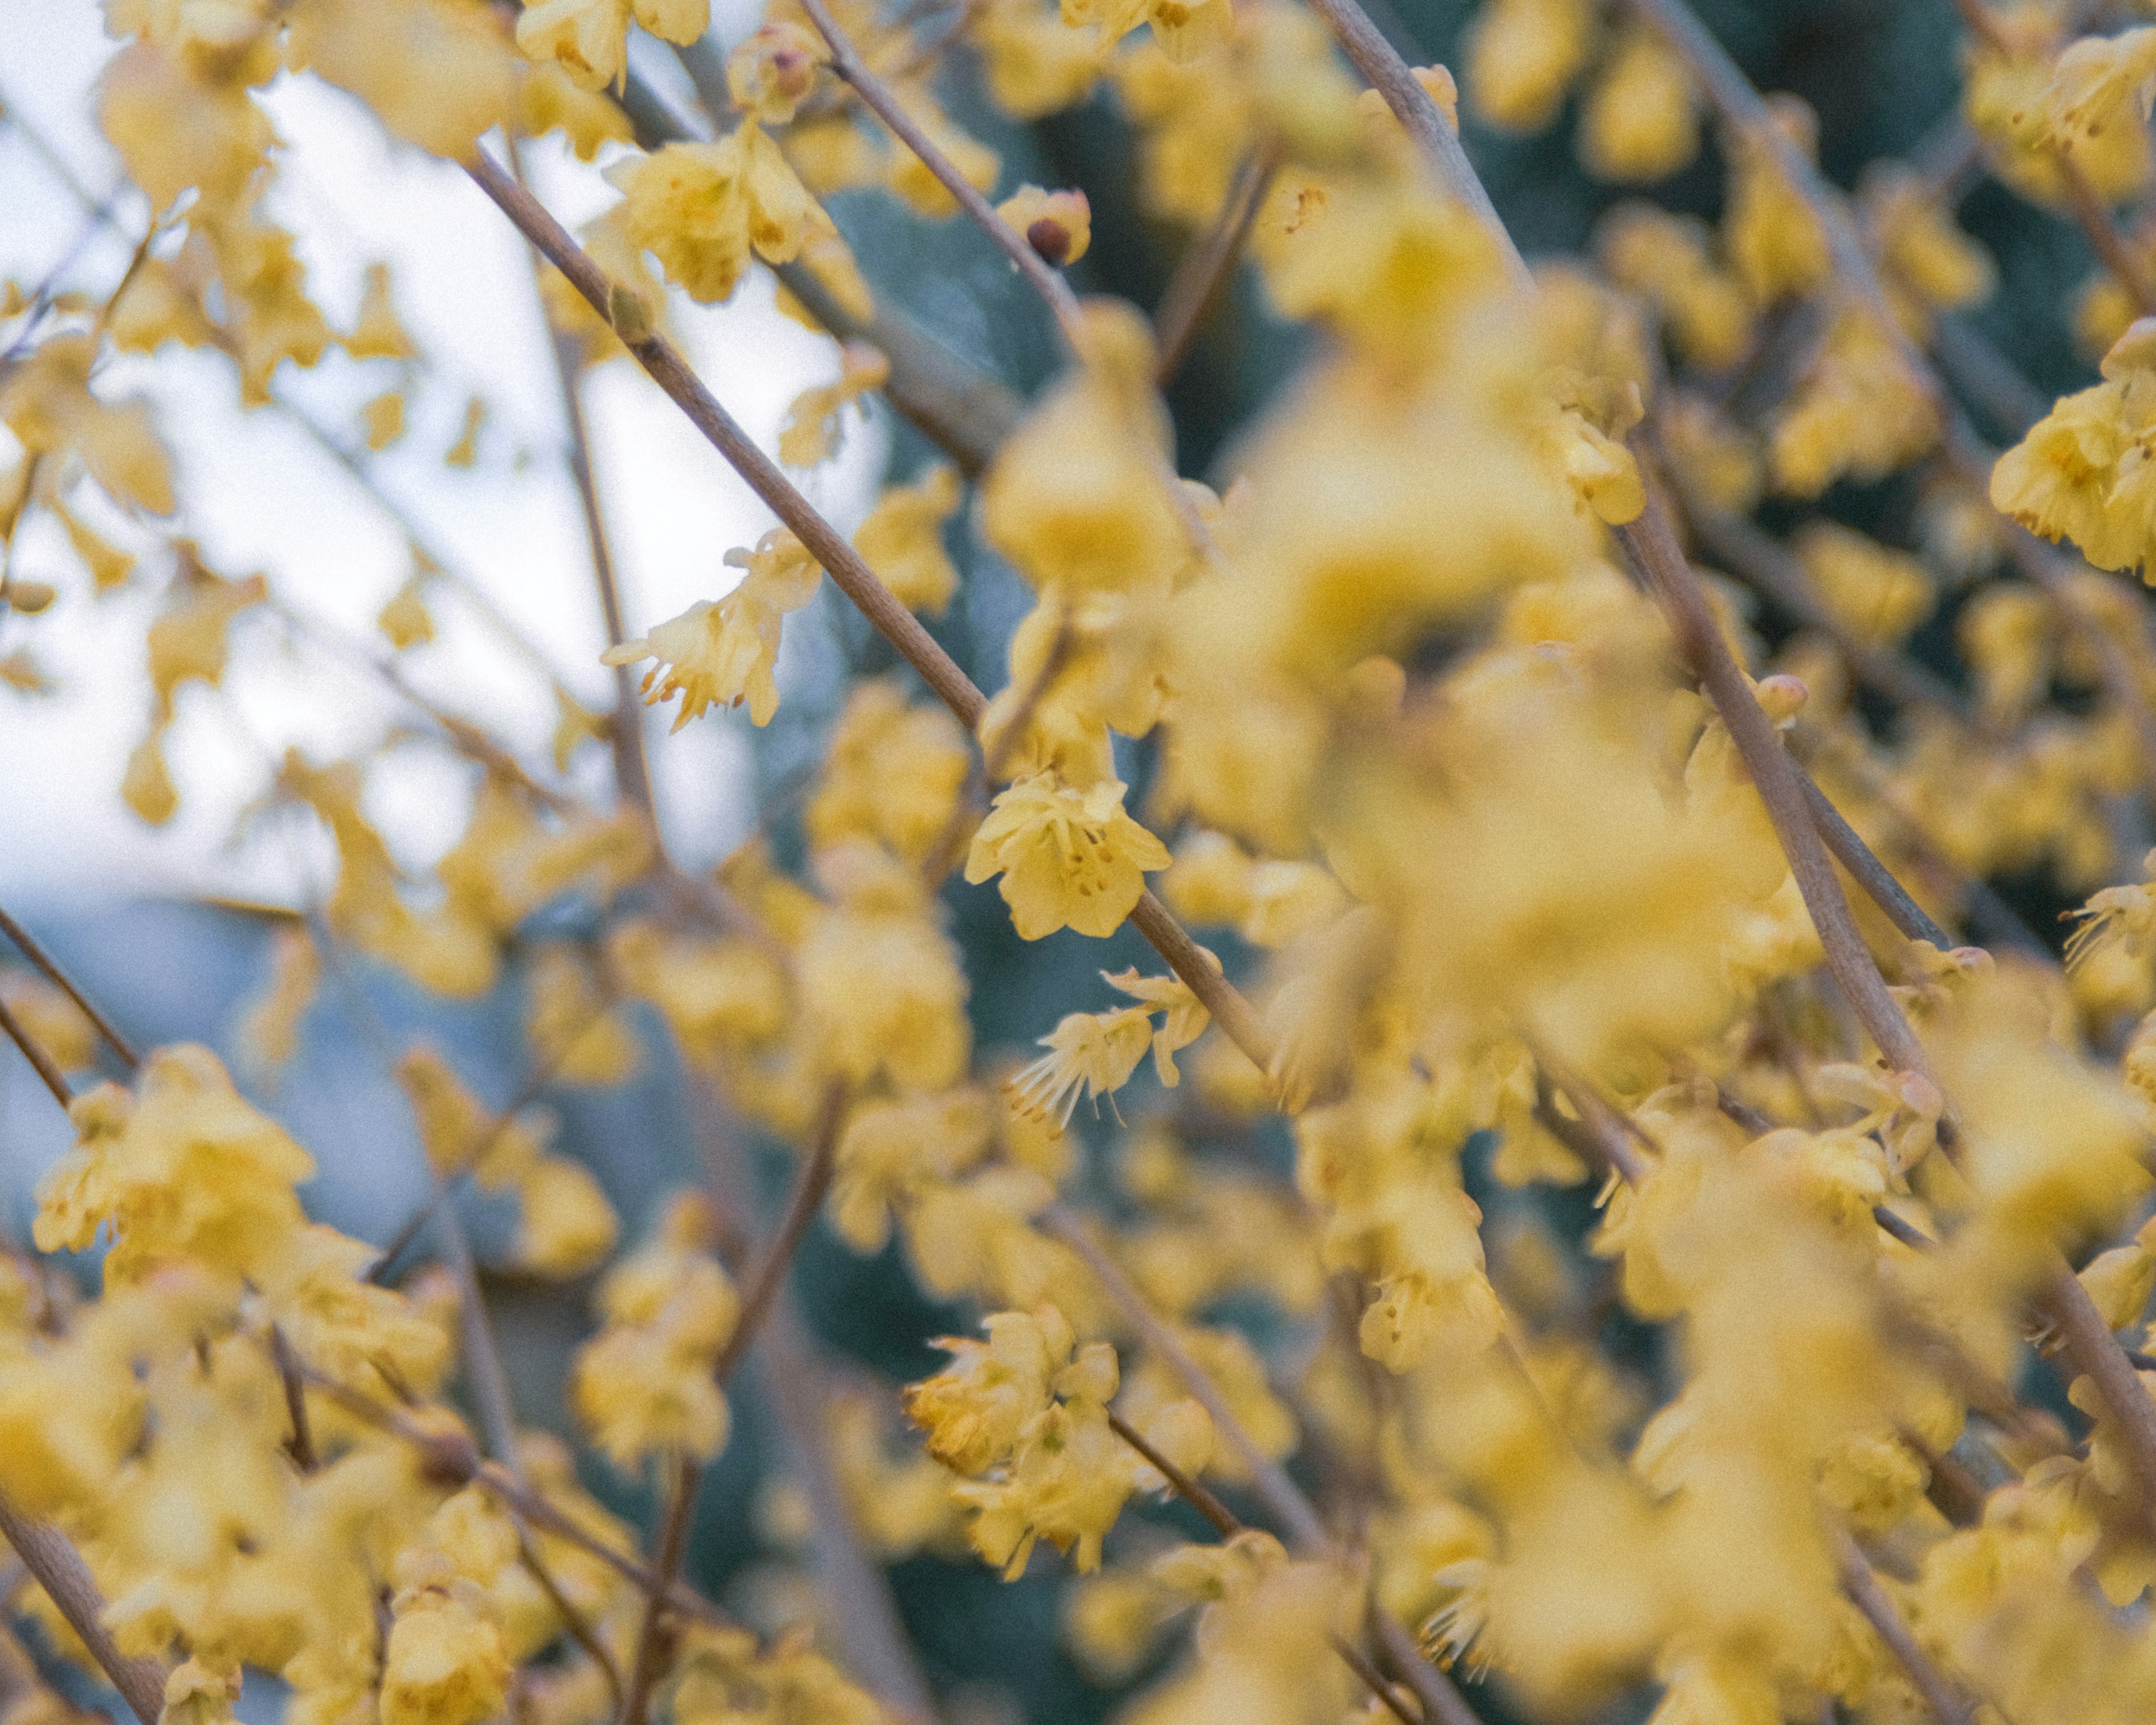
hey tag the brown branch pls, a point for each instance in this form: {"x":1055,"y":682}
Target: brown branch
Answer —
{"x":764,"y":1285}
{"x":673,"y":1544}
{"x":59,"y":979}
{"x":58,"y":1567}
{"x":1870,"y":1599}
{"x":1192,"y":1490}
{"x":301,"y":1445}
{"x":1204,"y":269}
{"x":1387,"y":73}
{"x":54,"y":1080}
{"x":1874,"y":876}
{"x":865,"y":1620}
{"x":1651,"y":546}
{"x":846,"y":61}
{"x":807,"y":1198}
{"x":453,"y":1459}
{"x":1224,"y":1521}
{"x":1282,"y":1498}
{"x":853,"y":577}
{"x":580,"y":1631}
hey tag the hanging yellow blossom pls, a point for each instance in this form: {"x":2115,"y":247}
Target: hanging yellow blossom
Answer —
{"x":1067,"y":857}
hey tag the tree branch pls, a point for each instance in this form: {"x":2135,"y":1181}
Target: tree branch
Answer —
{"x":59,"y":979}
{"x":853,"y":577}
{"x":58,"y":1567}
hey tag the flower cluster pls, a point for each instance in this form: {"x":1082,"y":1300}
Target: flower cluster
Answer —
{"x":1621,"y":1204}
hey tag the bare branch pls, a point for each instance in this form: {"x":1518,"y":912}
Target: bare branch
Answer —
{"x":34,"y":1053}
{"x":1205,"y":268}
{"x":58,"y":1567}
{"x":59,"y":979}
{"x":853,"y":577}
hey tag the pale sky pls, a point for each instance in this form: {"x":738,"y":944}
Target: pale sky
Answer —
{"x":257,"y":494}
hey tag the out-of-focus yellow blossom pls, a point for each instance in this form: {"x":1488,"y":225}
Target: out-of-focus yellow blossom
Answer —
{"x":1078,"y":495}
{"x":588,"y":39}
{"x":1523,"y":55}
{"x":1879,"y":594}
{"x":772,"y":73}
{"x":1033,"y":63}
{"x":702,"y":208}
{"x":1921,"y":245}
{"x":1640,"y":121}
{"x":726,"y":650}
{"x":444,"y":1663}
{"x":643,"y":1384}
{"x":901,"y":541}
{"x":436,"y":72}
{"x":814,"y":427}
{"x":1067,"y":857}
{"x":377,"y":332}
{"x":910,"y":177}
{"x":882,"y":985}
{"x":1186,"y":30}
{"x":1858,"y":412}
{"x":382,"y":420}
{"x":893,"y":773}
{"x":1772,"y":237}
{"x":270,"y":1030}
{"x":45,"y":400}
{"x":1058,"y":225}
{"x":574,"y":1028}
{"x":405,"y":619}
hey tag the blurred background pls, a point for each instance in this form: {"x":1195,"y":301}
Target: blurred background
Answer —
{"x":168,"y":928}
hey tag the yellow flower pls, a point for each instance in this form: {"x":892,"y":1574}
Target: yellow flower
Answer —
{"x":1522,"y":55}
{"x":901,"y":541}
{"x":375,"y":333}
{"x":771,"y":75}
{"x":812,"y":431}
{"x":1059,"y":225}
{"x":702,"y":208}
{"x":1641,"y":120}
{"x":588,"y":39}
{"x":726,"y":650}
{"x":444,"y":1664}
{"x":1066,"y":856}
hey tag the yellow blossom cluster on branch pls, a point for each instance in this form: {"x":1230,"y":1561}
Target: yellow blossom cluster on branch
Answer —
{"x":1594,"y":1201}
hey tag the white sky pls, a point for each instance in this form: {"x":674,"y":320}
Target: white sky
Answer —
{"x":257,"y":494}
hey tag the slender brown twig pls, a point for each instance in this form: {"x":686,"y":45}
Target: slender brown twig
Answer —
{"x":1224,"y":1521}
{"x":663,"y":362}
{"x":573,"y":1621}
{"x":300,"y":1446}
{"x":59,"y":979}
{"x":1870,"y":1599}
{"x":847,"y":62}
{"x":58,"y":1566}
{"x":1204,"y":269}
{"x":764,"y":1284}
{"x":34,"y":1051}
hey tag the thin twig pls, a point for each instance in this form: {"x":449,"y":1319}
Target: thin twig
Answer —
{"x":673,"y":1524}
{"x":580,"y":1631}
{"x":301,"y":1445}
{"x":807,"y":1198}
{"x":58,"y":1567}
{"x":1864,"y":868}
{"x":632,"y":772}
{"x":1282,"y":1498}
{"x":59,"y":979}
{"x":853,"y":577}
{"x":764,"y":1284}
{"x":1192,"y":1490}
{"x":34,"y":1053}
{"x":456,"y":1459}
{"x":846,"y":61}
{"x":1224,"y":1521}
{"x":1205,"y":267}
{"x":1386,"y":71}
{"x":1863,"y":1591}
